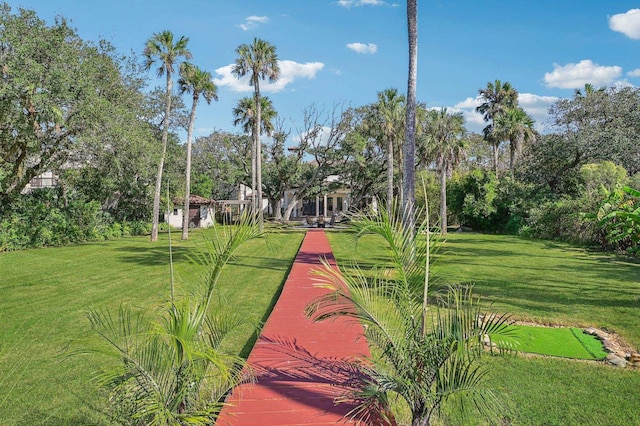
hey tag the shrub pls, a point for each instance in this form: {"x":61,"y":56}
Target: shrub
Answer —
{"x":46,"y":217}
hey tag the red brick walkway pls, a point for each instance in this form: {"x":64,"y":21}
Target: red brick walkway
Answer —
{"x":299,"y":364}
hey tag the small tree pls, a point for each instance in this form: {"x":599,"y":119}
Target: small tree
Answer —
{"x":172,"y":369}
{"x":425,"y":359}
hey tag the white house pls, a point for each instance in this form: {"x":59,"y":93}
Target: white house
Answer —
{"x":201,"y":212}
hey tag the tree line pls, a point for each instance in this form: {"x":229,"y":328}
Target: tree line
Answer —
{"x":83,"y":111}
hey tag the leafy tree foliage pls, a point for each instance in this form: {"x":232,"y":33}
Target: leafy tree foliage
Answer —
{"x":364,"y":160}
{"x":619,"y":216}
{"x":221,"y":162}
{"x":57,"y":92}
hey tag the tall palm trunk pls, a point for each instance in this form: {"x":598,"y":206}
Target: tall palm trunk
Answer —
{"x":512,"y":156}
{"x":254,"y":205}
{"x":495,"y":149}
{"x":409,"y":147}
{"x":185,"y":212}
{"x":443,"y":198}
{"x":256,"y":133}
{"x":389,"y":175}
{"x":165,"y":137}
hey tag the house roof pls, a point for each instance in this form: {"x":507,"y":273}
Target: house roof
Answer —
{"x":194,"y":200}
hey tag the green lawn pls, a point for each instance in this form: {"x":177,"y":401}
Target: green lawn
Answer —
{"x":567,"y":342}
{"x":550,"y":283}
{"x":45,"y":294}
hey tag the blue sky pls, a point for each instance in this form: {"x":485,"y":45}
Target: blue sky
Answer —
{"x":345,"y":51}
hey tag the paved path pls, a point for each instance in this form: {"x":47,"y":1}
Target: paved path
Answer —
{"x":299,"y":364}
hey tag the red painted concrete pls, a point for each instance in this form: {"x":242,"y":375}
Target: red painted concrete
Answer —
{"x":300,"y":365}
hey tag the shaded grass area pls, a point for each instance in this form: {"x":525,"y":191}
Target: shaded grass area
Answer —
{"x":46,"y":293}
{"x":560,"y":342}
{"x":559,"y":392}
{"x":549,"y":283}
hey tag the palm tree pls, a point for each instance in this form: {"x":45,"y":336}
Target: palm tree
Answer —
{"x":497,"y":98}
{"x":260,"y":61}
{"x":389,"y":114}
{"x":160,"y":49}
{"x":173,"y":370}
{"x":197,"y":82}
{"x":409,"y":147}
{"x":244,"y":114}
{"x":444,"y":135}
{"x":516,"y":126}
{"x":423,"y":358}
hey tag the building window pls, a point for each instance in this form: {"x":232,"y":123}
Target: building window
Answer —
{"x":339,"y":204}
{"x":330,"y":204}
{"x":175,"y":212}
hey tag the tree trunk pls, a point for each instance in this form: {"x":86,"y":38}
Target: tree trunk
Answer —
{"x":256,"y":128}
{"x":165,"y":137}
{"x":254,"y":206}
{"x":443,"y":198}
{"x":389,"y":176}
{"x":187,"y":193}
{"x":289,"y":209}
{"x":512,"y":156}
{"x":421,"y":421}
{"x":495,"y":146}
{"x":409,"y":147}
{"x":275,"y":208}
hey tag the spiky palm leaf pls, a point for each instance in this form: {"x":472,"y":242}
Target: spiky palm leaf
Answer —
{"x":424,"y":365}
{"x":172,"y":370}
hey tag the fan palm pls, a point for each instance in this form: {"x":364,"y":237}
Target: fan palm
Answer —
{"x":497,"y":98}
{"x":160,"y":49}
{"x":444,"y":132}
{"x":424,"y":359}
{"x":516,"y":126}
{"x":260,"y":61}
{"x":245,"y":113}
{"x":389,"y":117}
{"x":197,"y":82}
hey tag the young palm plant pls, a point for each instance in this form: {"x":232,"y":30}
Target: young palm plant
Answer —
{"x":172,"y":370}
{"x":421,"y":358}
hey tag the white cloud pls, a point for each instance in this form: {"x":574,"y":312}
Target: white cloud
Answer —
{"x":363,"y":48}
{"x":536,"y":106}
{"x":473,"y":120}
{"x":253,"y":21}
{"x":289,"y":71}
{"x":357,"y":3}
{"x":573,"y":76}
{"x":468,"y":103}
{"x":634,"y":73}
{"x":627,"y":23}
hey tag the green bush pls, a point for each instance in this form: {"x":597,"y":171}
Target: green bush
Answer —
{"x":47,"y":217}
{"x":484,"y":203}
